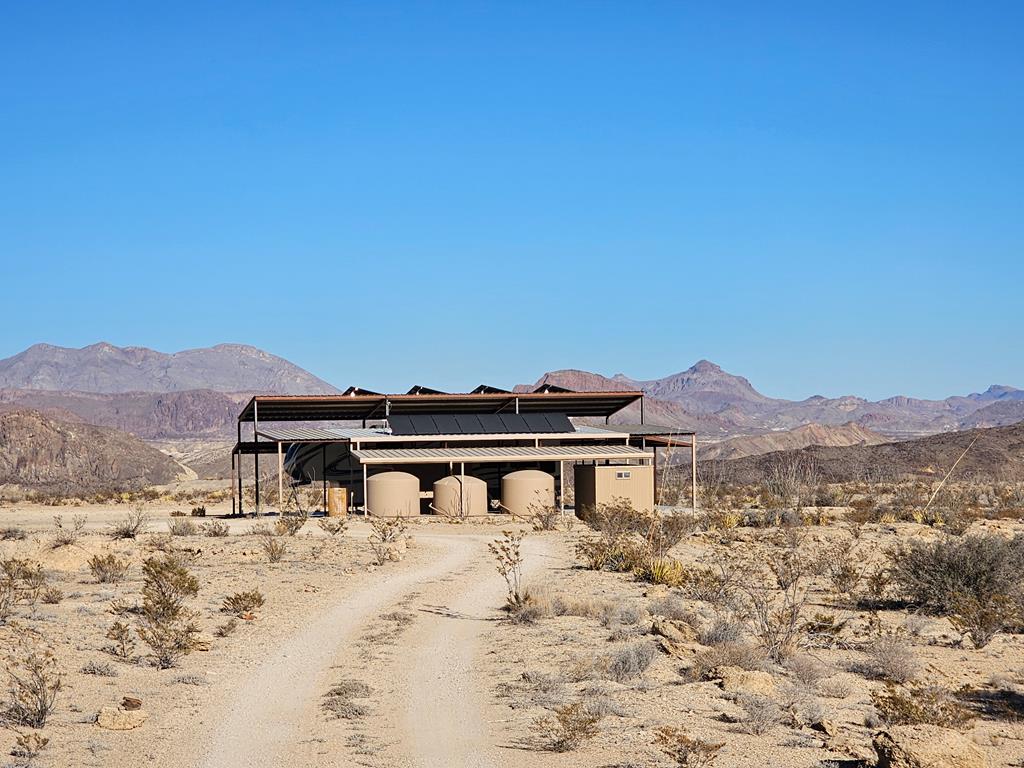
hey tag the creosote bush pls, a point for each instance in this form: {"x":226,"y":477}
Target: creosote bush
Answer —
{"x":890,"y":658}
{"x":568,"y":728}
{"x":215,"y":529}
{"x":685,"y":750}
{"x":921,"y":704}
{"x":167,"y":625}
{"x":21,"y":581}
{"x":181,"y":527}
{"x":108,"y":568}
{"x":34,"y":681}
{"x":333,"y":526}
{"x":289,"y":525}
{"x":273,"y":548}
{"x":630,"y":661}
{"x":385,"y":536}
{"x":123,"y":640}
{"x":131,"y":526}
{"x":508,"y":557}
{"x":67,"y":534}
{"x":243,"y":602}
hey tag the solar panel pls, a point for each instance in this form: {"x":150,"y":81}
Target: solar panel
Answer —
{"x":478,"y":423}
{"x":491,"y":424}
{"x":514,"y":422}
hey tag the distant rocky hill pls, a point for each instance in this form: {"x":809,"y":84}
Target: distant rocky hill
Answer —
{"x":200,"y":413}
{"x":714,"y":402}
{"x":42,"y":453}
{"x":997,"y":453}
{"x":104,"y":368}
{"x":801,"y":437}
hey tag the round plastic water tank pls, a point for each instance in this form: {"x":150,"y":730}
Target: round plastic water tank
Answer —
{"x":393,"y":494}
{"x":460,"y":495}
{"x":522,"y":492}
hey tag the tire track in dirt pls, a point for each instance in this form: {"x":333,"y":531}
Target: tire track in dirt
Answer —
{"x":265,"y":715}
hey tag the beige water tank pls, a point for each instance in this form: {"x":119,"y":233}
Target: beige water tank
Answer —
{"x":393,"y":494}
{"x":460,"y":496}
{"x":522,"y":492}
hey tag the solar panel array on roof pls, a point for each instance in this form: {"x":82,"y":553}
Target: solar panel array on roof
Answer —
{"x":479,"y":424}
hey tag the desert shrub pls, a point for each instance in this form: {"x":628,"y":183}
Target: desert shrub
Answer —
{"x":921,"y":704}
{"x":181,"y":527}
{"x":333,"y":526}
{"x":131,"y":526}
{"x":743,"y":655}
{"x":806,"y":669}
{"x":65,"y":535}
{"x":274,"y":549}
{"x":890,"y":658}
{"x":508,"y":557}
{"x":545,"y":517}
{"x":243,"y":602}
{"x":671,"y":607}
{"x":662,"y":570}
{"x":52,"y":595}
{"x":842,"y":566}
{"x":612,"y":612}
{"x":537,"y":603}
{"x":99,"y":669}
{"x":711,"y":585}
{"x":975,"y":580}
{"x":108,"y":568}
{"x":167,"y":625}
{"x":760,"y":714}
{"x":123,"y":641}
{"x":29,"y":745}
{"x":685,"y":750}
{"x":385,"y":536}
{"x":289,"y":525}
{"x":630,"y":661}
{"x":20,"y":582}
{"x":215,"y":529}
{"x":11,"y":533}
{"x":199,"y":511}
{"x":34,"y":681}
{"x":226,"y":628}
{"x":724,"y":629}
{"x":569,"y":727}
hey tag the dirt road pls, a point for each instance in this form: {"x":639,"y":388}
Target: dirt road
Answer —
{"x":429,"y":708}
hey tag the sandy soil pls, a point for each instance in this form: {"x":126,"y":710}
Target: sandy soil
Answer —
{"x":441,"y":678}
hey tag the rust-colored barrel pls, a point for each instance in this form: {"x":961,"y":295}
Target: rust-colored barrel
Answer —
{"x":337,"y":502}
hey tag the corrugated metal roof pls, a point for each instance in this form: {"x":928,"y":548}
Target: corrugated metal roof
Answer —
{"x":334,"y":434}
{"x":503,"y":453}
{"x":319,"y":434}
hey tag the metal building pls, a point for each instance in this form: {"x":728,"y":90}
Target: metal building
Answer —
{"x":342,"y":441}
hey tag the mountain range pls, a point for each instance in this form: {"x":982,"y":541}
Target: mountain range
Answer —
{"x":186,"y":404}
{"x":719,"y":404}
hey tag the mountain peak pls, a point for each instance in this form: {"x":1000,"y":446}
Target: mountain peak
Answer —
{"x":705,"y":366}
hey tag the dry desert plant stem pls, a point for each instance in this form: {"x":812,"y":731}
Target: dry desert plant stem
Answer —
{"x":944,"y":479}
{"x":34,"y":681}
{"x":508,"y":554}
{"x":571,"y":725}
{"x":684,"y":750}
{"x":66,"y":536}
{"x":132,"y":525}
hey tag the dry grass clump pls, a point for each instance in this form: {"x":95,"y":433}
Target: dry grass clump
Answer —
{"x":65,"y":535}
{"x":724,"y":629}
{"x":273,"y":548}
{"x":760,"y":714}
{"x":671,"y":607}
{"x":227,"y":628}
{"x":182,"y":527}
{"x":662,"y":570}
{"x":289,"y":525}
{"x":243,"y":603}
{"x":167,"y":625}
{"x":385,"y":536}
{"x":108,"y":568}
{"x":974,"y":580}
{"x":568,"y":728}
{"x":890,"y":658}
{"x":921,"y":704}
{"x":339,"y":702}
{"x":99,"y":669}
{"x":743,"y":655}
{"x":333,"y":526}
{"x":805,"y":669}
{"x":630,"y":661}
{"x":52,"y":595}
{"x":685,"y":750}
{"x":131,"y":526}
{"x":123,"y":641}
{"x":215,"y":529}
{"x":34,"y":680}
{"x":20,"y":582}
{"x":12,"y":533}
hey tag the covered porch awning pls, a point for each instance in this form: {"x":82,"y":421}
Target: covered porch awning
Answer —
{"x":501,"y":454}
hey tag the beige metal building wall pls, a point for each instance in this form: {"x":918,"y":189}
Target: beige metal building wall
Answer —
{"x":603,"y":483}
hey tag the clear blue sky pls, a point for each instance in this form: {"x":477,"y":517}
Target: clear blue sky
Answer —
{"x":823,"y":197}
